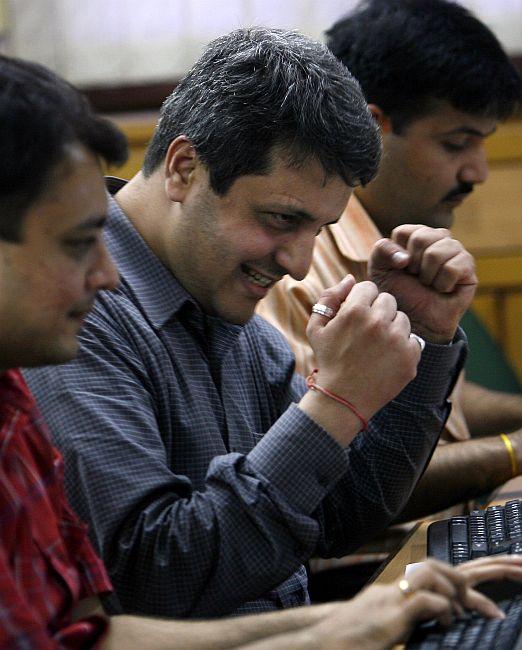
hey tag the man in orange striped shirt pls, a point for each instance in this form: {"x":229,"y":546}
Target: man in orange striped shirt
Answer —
{"x":436,"y":95}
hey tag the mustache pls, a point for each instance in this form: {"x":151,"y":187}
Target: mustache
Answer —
{"x":82,"y":308}
{"x":462,"y":188}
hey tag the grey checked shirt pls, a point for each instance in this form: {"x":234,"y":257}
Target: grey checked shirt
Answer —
{"x":205,"y":486}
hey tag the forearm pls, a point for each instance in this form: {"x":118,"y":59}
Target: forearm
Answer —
{"x":186,"y":541}
{"x":132,"y":633}
{"x":459,"y":472}
{"x":386,"y":461}
{"x":488,"y":412}
{"x":307,"y":639}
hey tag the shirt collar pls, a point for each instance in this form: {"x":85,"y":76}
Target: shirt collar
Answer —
{"x":355,"y":233}
{"x":140,"y":269}
{"x":142,"y":272}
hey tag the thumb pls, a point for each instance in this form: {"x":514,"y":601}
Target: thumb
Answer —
{"x":387,"y":255}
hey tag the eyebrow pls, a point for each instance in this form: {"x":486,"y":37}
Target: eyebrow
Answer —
{"x":468,"y":130}
{"x":297,"y":213}
{"x":94,"y":222}
{"x":285,"y":209}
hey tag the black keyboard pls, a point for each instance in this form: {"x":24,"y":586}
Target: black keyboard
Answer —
{"x":472,"y":631}
{"x":498,"y":529}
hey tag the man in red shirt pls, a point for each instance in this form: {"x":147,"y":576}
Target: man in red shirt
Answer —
{"x":52,"y":263}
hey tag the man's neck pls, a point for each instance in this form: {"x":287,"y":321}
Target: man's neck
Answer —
{"x":373,"y":209}
{"x":144,"y":204}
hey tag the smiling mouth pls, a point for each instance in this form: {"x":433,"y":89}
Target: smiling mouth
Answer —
{"x":79,"y":314}
{"x":257,"y":278}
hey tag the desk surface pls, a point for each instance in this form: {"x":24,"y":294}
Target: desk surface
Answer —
{"x":413,"y":549}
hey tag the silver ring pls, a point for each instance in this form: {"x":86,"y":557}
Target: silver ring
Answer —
{"x":419,"y":340}
{"x":323,"y":310}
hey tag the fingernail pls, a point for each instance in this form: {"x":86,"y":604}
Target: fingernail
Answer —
{"x":399,"y":256}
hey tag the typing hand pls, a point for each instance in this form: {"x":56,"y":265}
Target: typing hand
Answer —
{"x":382,"y":615}
{"x":431,"y":276}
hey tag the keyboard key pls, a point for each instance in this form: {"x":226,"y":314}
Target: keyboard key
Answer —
{"x":478,"y":533}
{"x":459,"y":530}
{"x":460,"y":551}
{"x":516,"y":548}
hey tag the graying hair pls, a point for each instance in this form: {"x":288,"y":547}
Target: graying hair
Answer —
{"x":257,"y":89}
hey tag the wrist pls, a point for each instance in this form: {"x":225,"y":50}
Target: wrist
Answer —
{"x":313,"y":385}
{"x":511,"y":454}
{"x":515,"y":440}
{"x":437,"y":337}
{"x":338,"y":421}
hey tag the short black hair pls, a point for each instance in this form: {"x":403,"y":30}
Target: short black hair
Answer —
{"x":41,"y":114}
{"x":406,"y":53}
{"x":258,"y":89}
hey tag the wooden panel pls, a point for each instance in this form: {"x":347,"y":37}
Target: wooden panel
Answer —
{"x":490,"y":220}
{"x":499,"y":302}
{"x":506,"y":143}
{"x":138,"y":127}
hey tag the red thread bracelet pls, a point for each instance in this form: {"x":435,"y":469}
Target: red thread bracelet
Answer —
{"x":310,"y":382}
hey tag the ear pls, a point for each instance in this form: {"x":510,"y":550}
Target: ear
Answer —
{"x":381,"y":118}
{"x":180,"y":163}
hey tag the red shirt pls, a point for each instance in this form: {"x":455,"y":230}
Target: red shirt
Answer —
{"x":47,"y":563}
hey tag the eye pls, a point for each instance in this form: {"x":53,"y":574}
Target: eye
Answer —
{"x":454,"y":147}
{"x":282,"y":221}
{"x":79,"y":247}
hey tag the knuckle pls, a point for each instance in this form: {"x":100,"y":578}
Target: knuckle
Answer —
{"x":403,"y":322}
{"x":357,"y":312}
{"x":327,"y":295}
{"x":388,"y":297}
{"x":369,"y":285}
{"x":415,"y":237}
{"x":425,"y":236}
{"x":459,"y":246}
{"x":448,"y":273}
{"x":381,"y":242}
{"x":431,"y":256}
{"x":377,"y":326}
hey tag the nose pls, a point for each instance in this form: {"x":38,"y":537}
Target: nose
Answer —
{"x":104,"y":274}
{"x":475,"y":168}
{"x":295,"y":254}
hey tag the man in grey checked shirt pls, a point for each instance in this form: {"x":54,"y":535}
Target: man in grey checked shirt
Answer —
{"x":207,"y":470}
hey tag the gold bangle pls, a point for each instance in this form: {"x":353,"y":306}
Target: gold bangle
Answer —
{"x":511,"y":453}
